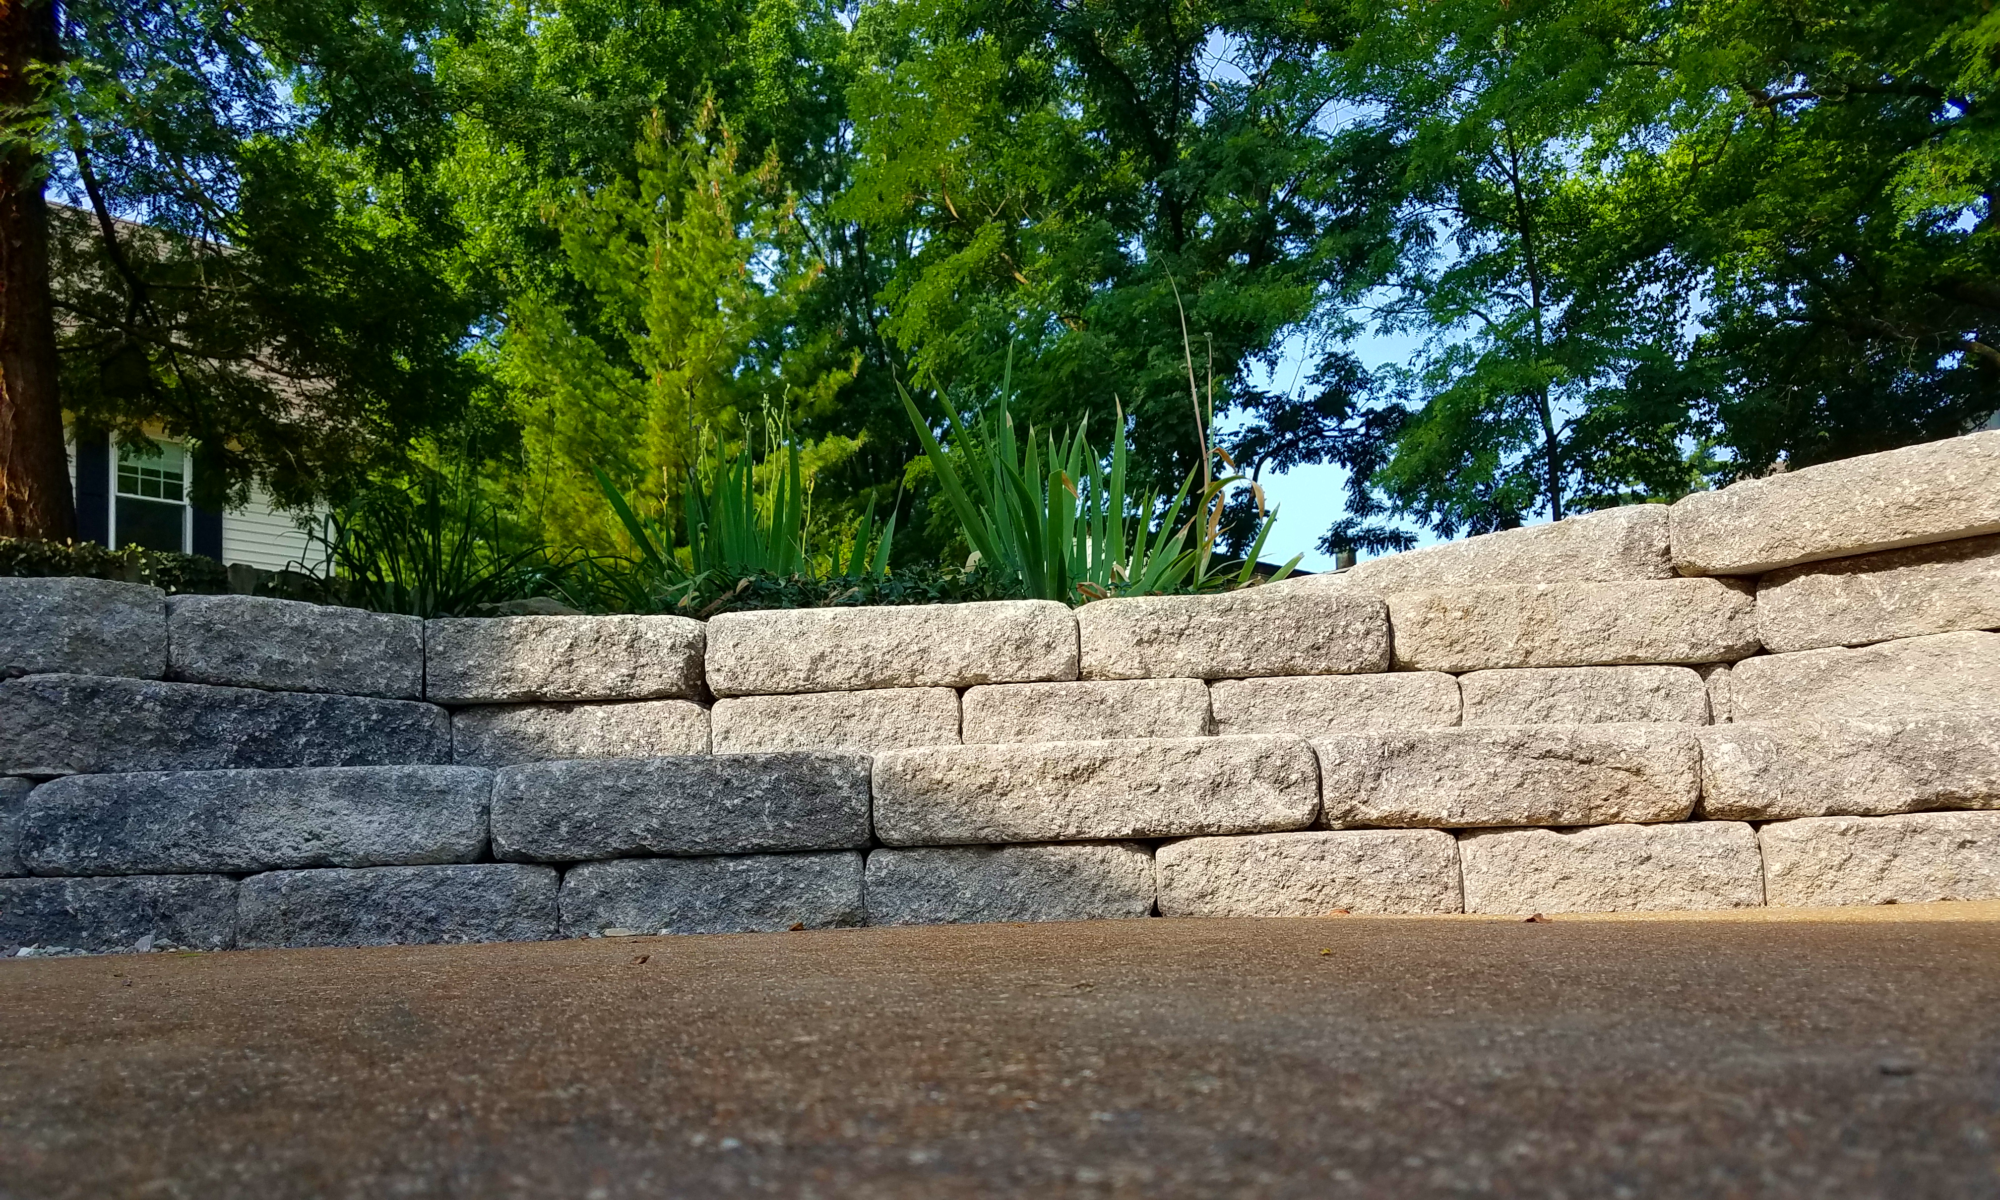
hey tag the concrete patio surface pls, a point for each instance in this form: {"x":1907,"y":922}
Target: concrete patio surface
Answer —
{"x":1758,"y":1053}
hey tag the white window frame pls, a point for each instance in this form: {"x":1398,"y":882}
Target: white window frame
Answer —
{"x":186,"y":501}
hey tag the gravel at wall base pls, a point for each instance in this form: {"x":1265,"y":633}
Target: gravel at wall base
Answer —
{"x":950,"y":885}
{"x":1910,"y":859}
{"x":1311,"y":705}
{"x":1616,"y":544}
{"x":1585,"y":696}
{"x":498,"y":735}
{"x":843,"y":722}
{"x":1093,"y":791}
{"x":392,"y":906}
{"x":85,"y":724}
{"x":690,"y":805}
{"x":1310,"y":874}
{"x":1092,"y":710}
{"x":1255,"y":631}
{"x":1510,"y":775}
{"x":1923,"y":676}
{"x":13,"y":798}
{"x":1939,"y":588}
{"x":88,"y":626}
{"x":751,"y":893}
{"x":1934,"y":492}
{"x":195,"y":912}
{"x":895,"y":646}
{"x":1856,"y":767}
{"x":292,"y":646}
{"x":174,"y":822}
{"x":1661,"y":621}
{"x":1613,"y":868}
{"x":510,"y":660}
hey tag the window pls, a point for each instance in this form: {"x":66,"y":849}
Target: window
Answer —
{"x":151,"y":509}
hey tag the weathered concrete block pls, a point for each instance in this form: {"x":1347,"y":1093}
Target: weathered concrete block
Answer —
{"x":288,"y":645}
{"x":397,"y":906}
{"x":1573,"y":625}
{"x":1926,"y":676}
{"x":1716,"y":678}
{"x":1585,"y":696}
{"x":196,"y":912}
{"x":85,"y":626}
{"x":725,"y":804}
{"x":165,"y":823}
{"x":1599,"y":547}
{"x":951,"y":885}
{"x":13,"y":798}
{"x":1909,"y":859}
{"x":1878,"y":597}
{"x":1908,"y":497}
{"x":852,"y":722}
{"x":83,"y":724}
{"x":1090,"y":711}
{"x":1807,"y":768}
{"x":903,"y":646}
{"x":1255,"y":631}
{"x":1510,"y":775}
{"x":506,"y":660}
{"x":1093,"y":791}
{"x":495,"y":735}
{"x":1310,"y":874}
{"x":1613,"y":868}
{"x":1311,"y":705}
{"x":753,"y":893}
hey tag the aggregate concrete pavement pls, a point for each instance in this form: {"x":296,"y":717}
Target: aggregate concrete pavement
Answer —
{"x":1850,"y":1053}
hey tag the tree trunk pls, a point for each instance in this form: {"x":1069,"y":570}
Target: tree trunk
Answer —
{"x":35,"y":499}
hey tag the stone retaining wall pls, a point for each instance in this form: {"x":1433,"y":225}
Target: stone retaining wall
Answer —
{"x":1786,"y":692}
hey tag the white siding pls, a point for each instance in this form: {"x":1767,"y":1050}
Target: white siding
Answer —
{"x":264,"y":538}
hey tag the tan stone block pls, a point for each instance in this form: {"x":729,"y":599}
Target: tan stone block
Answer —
{"x":1613,"y":868}
{"x":1584,"y":696}
{"x":1721,"y":703}
{"x":507,"y":660}
{"x":1908,"y":497}
{"x":1093,"y":791}
{"x":1617,"y":543}
{"x":1310,"y":874}
{"x":1510,"y":775}
{"x":1090,"y":710}
{"x":1573,"y":625}
{"x":1911,"y":859}
{"x":785,"y":651}
{"x":855,"y":722}
{"x":1926,"y":676}
{"x":1815,"y":768}
{"x":1939,"y":588}
{"x":492,"y":735}
{"x":1255,"y":631}
{"x":1311,"y":705}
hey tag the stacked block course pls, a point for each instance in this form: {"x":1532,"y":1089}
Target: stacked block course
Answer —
{"x":1785,"y":692}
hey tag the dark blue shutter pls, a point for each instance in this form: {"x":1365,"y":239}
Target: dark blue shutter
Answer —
{"x":93,"y":487}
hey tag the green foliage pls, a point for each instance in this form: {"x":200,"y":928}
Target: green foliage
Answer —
{"x":171,"y":573}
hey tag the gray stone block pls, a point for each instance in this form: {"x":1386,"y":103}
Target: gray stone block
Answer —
{"x":176,"y":822}
{"x":845,"y":722}
{"x":1585,"y":696}
{"x":495,"y":735}
{"x":1938,"y":675}
{"x":1817,"y":768}
{"x":1311,"y":705}
{"x":1909,"y":859}
{"x":1510,"y":775}
{"x":755,"y":893}
{"x":725,"y":804}
{"x":13,"y":798}
{"x":1909,"y":497}
{"x":82,"y":724}
{"x":508,"y":660}
{"x":397,"y":906}
{"x":1093,"y":710}
{"x":292,"y":646}
{"x":1879,"y":597}
{"x":83,"y":626}
{"x":1600,"y":547}
{"x":950,"y":885}
{"x":898,"y":646}
{"x":1673,"y":621}
{"x":1310,"y":874}
{"x":1093,"y":791}
{"x":1255,"y":631}
{"x":1613,"y":868}
{"x":196,"y":912}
